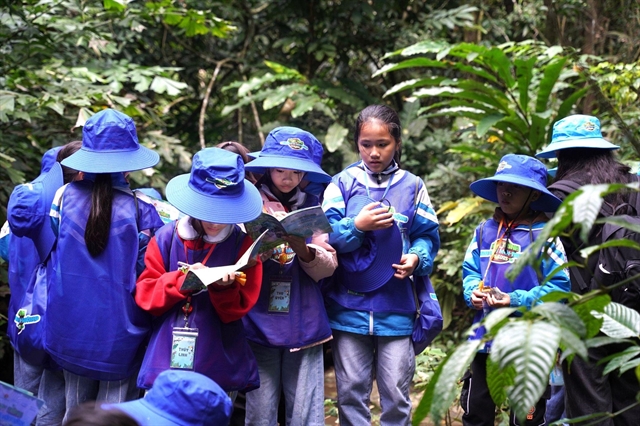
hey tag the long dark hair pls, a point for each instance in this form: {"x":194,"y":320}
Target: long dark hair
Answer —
{"x":594,"y":166}
{"x":68,"y":173}
{"x":96,"y":233}
{"x":388,"y":117}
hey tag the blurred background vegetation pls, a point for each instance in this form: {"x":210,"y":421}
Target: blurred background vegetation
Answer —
{"x":472,"y":80}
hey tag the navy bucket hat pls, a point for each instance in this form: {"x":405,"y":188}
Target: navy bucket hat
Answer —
{"x":110,"y":145}
{"x":520,"y":170}
{"x":372,"y":262}
{"x":180,"y":398}
{"x":294,"y":149}
{"x":215,"y":190}
{"x":576,"y":131}
{"x":29,"y":207}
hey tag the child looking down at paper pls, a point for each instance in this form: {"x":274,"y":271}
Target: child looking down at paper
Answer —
{"x":288,"y":324}
{"x":202,"y":331}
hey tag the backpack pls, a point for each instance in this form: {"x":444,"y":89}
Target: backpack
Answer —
{"x":614,"y":264}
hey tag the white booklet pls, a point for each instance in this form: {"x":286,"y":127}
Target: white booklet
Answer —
{"x":197,"y":279}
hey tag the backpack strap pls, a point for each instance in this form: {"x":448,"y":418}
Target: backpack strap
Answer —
{"x":566,"y":186}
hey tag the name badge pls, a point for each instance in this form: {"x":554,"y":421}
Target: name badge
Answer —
{"x":280,"y":295}
{"x":183,"y":348}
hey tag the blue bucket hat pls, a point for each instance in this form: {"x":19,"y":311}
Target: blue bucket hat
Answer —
{"x":29,"y":207}
{"x":294,"y":149}
{"x":576,"y":131}
{"x":215,"y":190}
{"x":182,"y":398}
{"x":110,"y":145}
{"x":372,"y":261}
{"x":552,"y":172}
{"x":520,"y":170}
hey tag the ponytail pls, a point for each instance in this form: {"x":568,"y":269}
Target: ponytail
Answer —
{"x":96,"y":234}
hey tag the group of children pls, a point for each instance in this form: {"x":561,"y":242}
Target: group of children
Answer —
{"x":109,"y":329}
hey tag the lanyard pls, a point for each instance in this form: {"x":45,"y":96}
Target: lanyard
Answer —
{"x":204,"y":262}
{"x":366,"y":184}
{"x":493,"y":252}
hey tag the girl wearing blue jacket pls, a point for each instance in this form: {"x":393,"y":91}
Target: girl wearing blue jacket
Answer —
{"x":384,"y":230}
{"x":94,"y":330}
{"x":519,"y":188}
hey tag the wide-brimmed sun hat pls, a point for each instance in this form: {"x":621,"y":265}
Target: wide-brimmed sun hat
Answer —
{"x":520,"y":170}
{"x":182,"y":398}
{"x":576,"y":131}
{"x":294,"y":149}
{"x":110,"y":145}
{"x":29,"y":207}
{"x":215,"y":190}
{"x":372,"y":261}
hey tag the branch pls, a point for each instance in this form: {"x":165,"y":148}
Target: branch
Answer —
{"x":205,"y":101}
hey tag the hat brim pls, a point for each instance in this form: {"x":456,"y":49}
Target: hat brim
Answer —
{"x":253,"y":155}
{"x":597,"y":143}
{"x":379,"y":251}
{"x":143,"y":412}
{"x":487,"y":189}
{"x":265,"y":162}
{"x":224,"y":209}
{"x":42,"y":236}
{"x":112,"y":162}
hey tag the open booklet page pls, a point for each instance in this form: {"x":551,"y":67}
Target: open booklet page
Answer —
{"x":303,"y":223}
{"x":18,"y":406}
{"x":197,"y":279}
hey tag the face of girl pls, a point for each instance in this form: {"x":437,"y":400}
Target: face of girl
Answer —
{"x":376,"y":145}
{"x":212,"y":229}
{"x":285,"y":180}
{"x":515,"y":199}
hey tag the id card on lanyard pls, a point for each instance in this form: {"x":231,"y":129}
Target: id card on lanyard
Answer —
{"x":183,"y":343}
{"x":280,"y":294}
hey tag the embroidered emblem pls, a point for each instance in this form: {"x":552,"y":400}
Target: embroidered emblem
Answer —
{"x":221,"y":183}
{"x":295,"y":143}
{"x":503,"y":165}
{"x":283,"y":254}
{"x":589,"y":126}
{"x":22,"y":319}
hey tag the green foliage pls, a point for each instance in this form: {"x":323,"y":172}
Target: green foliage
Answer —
{"x":525,"y":345}
{"x":513,"y":93}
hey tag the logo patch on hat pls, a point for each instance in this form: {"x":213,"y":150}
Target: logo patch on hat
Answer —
{"x":221,"y":183}
{"x":502,"y":166}
{"x":589,"y":126}
{"x":22,"y":319}
{"x":295,"y":143}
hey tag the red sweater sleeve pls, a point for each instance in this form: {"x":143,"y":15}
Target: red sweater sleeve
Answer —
{"x":234,"y":301}
{"x":156,"y":289}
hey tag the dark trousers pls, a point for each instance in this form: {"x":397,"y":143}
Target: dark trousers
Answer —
{"x":479,"y":408}
{"x":588,"y":391}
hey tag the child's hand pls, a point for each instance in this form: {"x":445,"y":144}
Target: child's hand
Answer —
{"x":373,"y":216}
{"x":498,"y":299}
{"x":196,"y":266}
{"x":477,"y":297}
{"x":407,"y":265}
{"x":299,"y":245}
{"x":228,"y":279}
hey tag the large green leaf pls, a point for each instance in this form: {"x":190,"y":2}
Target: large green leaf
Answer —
{"x":486,"y":123}
{"x":623,"y":360}
{"x":499,"y":380}
{"x":410,"y":63}
{"x":442,"y":388}
{"x":571,"y":344}
{"x":562,"y":315}
{"x":550,"y":78}
{"x":586,"y":206}
{"x":530,"y":347}
{"x":498,"y":61}
{"x":336,"y":135}
{"x":524,"y":74}
{"x":619,"y":321}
